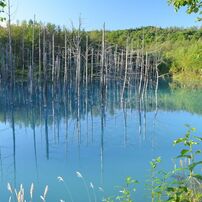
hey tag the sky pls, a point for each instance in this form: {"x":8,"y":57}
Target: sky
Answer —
{"x":117,"y":14}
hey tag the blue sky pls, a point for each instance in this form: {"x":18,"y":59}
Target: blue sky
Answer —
{"x":117,"y":14}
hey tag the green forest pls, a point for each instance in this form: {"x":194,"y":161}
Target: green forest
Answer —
{"x":180,"y":48}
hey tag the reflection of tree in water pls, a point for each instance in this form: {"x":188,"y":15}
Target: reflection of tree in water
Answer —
{"x":14,"y":144}
{"x":22,"y":110}
{"x":52,"y":105}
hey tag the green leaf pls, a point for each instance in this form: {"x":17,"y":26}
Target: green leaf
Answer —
{"x":184,"y":156}
{"x":2,"y":4}
{"x":197,"y":176}
{"x":190,"y":143}
{"x":193,"y":129}
{"x":198,"y":138}
{"x":193,"y":165}
{"x":198,"y":152}
{"x":178,"y":169}
{"x":184,"y":151}
{"x":170,"y":189}
{"x":179,"y":140}
{"x":128,"y":180}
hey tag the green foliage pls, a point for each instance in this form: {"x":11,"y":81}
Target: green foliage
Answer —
{"x":188,"y":188}
{"x":186,"y":57}
{"x":127,"y":192}
{"x":2,"y":6}
{"x":183,"y":183}
{"x":158,"y":178}
{"x":193,"y":6}
{"x":189,"y":141}
{"x":155,"y":162}
{"x":179,"y":194}
{"x":180,"y":48}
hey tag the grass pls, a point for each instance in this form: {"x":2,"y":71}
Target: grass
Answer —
{"x":19,"y":195}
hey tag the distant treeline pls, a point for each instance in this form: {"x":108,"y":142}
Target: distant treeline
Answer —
{"x":181,"y":49}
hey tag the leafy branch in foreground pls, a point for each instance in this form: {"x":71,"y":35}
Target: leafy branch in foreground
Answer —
{"x":193,"y":6}
{"x":2,"y":6}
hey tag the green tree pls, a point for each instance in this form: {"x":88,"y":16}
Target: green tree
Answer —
{"x":193,"y":6}
{"x":2,"y":6}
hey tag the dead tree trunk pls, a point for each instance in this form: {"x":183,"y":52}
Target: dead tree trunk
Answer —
{"x":86,"y":71}
{"x":65,"y":58}
{"x":10,"y":59}
{"x":92,"y":64}
{"x":39,"y":73}
{"x":126,"y":72}
{"x":53,"y":57}
{"x":102,"y":57}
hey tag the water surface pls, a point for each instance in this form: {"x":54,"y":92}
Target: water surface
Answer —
{"x":100,"y":135}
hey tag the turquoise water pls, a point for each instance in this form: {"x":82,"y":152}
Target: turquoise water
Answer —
{"x":102,"y":138}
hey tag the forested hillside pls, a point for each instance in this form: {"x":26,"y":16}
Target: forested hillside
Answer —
{"x":181,"y":49}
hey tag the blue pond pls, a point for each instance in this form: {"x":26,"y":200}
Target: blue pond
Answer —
{"x":100,"y":136}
